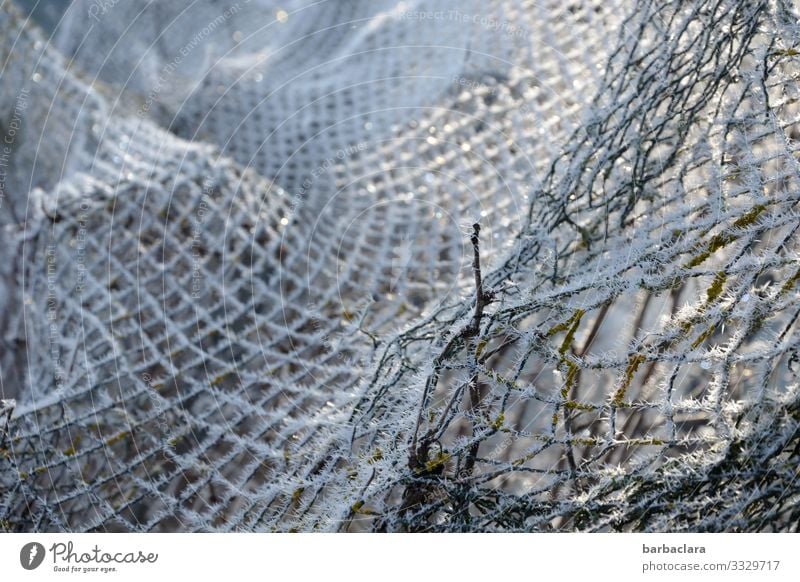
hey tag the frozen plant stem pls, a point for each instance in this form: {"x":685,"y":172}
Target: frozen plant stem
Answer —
{"x":481,"y":300}
{"x":470,"y":331}
{"x":417,"y":492}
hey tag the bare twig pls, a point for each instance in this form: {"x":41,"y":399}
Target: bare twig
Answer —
{"x":481,"y":300}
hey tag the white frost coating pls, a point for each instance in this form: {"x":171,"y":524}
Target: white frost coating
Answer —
{"x":244,"y":295}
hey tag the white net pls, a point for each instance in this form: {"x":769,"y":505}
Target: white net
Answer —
{"x":244,"y":292}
